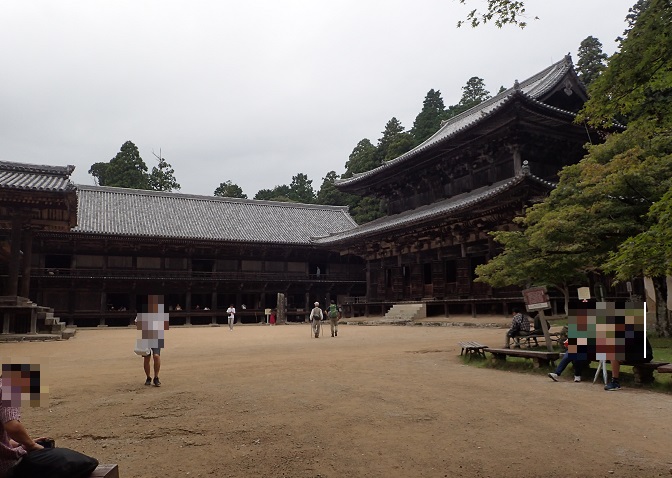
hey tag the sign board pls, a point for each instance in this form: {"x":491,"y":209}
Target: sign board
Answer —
{"x":584,"y":293}
{"x":267,"y":311}
{"x":536,"y":298}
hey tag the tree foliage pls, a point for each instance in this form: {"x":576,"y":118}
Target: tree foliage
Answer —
{"x":473,"y":94}
{"x":329,"y":195}
{"x":394,"y":142}
{"x":501,"y":12}
{"x":227,"y":189}
{"x":363,"y":158}
{"x":278,"y":193}
{"x":592,"y":60}
{"x":611,"y":210}
{"x":162,"y":177}
{"x":301,"y":189}
{"x":429,"y":119}
{"x":125,"y":170}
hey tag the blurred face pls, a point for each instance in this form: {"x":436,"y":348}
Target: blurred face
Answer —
{"x":21,"y":385}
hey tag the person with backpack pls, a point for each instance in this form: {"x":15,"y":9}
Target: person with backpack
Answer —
{"x":315,"y":319}
{"x":333,"y":318}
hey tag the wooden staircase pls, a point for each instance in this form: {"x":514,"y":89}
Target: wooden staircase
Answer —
{"x":22,"y":317}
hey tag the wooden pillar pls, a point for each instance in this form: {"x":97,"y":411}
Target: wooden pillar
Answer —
{"x":213,"y":305}
{"x":14,"y":258}
{"x":307,"y":306}
{"x":368,"y":280}
{"x":282,"y":308}
{"x":103,"y":307}
{"x":446,"y":309}
{"x":187,"y":305}
{"x":133,"y":305}
{"x":27,"y":262}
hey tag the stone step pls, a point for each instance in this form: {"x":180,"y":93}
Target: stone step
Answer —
{"x":69,"y":332}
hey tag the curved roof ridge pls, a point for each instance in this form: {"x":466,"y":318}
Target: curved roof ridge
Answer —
{"x":532,"y":88}
{"x":179,"y":195}
{"x":37,"y":168}
{"x":429,"y":211}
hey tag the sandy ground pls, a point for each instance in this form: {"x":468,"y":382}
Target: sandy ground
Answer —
{"x":377,"y":401}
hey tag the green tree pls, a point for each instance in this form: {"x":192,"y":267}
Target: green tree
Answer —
{"x":99,"y":172}
{"x":162,"y":177}
{"x":610,"y":208}
{"x":592,"y":60}
{"x":367,"y":209}
{"x":278,"y":193}
{"x":301,"y":189}
{"x":227,"y":189}
{"x":429,"y":119}
{"x":363,"y":158}
{"x":125,"y":170}
{"x":528,"y":261}
{"x":473,"y":93}
{"x":329,"y":195}
{"x":391,"y":136}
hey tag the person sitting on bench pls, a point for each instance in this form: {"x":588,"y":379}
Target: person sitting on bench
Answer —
{"x":576,"y":362}
{"x":520,"y":327}
{"x":537,"y":330}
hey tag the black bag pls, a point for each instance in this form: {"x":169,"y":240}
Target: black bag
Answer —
{"x":54,"y":463}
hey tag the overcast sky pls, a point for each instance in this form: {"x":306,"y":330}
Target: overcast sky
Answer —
{"x":253,"y":91}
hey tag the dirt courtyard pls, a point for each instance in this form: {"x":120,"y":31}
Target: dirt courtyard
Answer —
{"x":377,"y":401}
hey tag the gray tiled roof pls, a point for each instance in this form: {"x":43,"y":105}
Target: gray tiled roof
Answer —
{"x":35,"y":177}
{"x":131,"y":212}
{"x":531,"y":89}
{"x":443,"y":208}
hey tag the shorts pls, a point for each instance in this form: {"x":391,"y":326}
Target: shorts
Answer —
{"x":156,"y":351}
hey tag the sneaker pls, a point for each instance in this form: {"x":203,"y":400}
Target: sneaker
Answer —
{"x":336,"y":334}
{"x":553,"y":376}
{"x":577,"y":378}
{"x":148,"y":381}
{"x":613,"y":385}
{"x":157,"y":382}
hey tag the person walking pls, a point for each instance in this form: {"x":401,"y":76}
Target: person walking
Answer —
{"x":231,"y":311}
{"x":152,"y":325}
{"x":333,"y":315}
{"x":315,"y":319}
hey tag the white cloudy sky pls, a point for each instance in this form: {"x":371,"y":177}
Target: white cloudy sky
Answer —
{"x":253,"y":91}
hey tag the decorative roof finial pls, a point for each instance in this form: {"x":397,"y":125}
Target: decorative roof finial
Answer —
{"x":516,"y":85}
{"x":526,"y":167}
{"x":568,"y":58}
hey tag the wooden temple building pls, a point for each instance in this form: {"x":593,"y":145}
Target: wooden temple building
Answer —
{"x":473,"y":176}
{"x":201,"y":253}
{"x":92,"y":253}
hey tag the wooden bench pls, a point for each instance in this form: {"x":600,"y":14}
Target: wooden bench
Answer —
{"x":105,"y":471}
{"x":643,"y":372}
{"x":538,"y":358}
{"x":472,"y":348}
{"x":665,"y":368}
{"x":555,"y":338}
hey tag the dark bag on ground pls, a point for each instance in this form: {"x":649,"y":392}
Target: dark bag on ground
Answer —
{"x":54,"y":463}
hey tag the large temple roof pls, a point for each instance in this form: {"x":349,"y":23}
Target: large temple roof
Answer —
{"x":453,"y":206}
{"x":132,"y":212}
{"x":535,"y":91}
{"x":34,"y":177}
